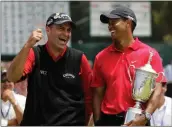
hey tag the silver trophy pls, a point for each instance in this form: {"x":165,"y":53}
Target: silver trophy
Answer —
{"x":144,"y":82}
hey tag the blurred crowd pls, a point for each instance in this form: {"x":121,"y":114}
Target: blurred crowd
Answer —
{"x":19,"y":87}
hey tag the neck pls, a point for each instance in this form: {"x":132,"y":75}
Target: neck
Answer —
{"x":124,"y":43}
{"x":161,"y":102}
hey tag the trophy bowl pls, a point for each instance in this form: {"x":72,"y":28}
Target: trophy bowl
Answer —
{"x":143,"y":85}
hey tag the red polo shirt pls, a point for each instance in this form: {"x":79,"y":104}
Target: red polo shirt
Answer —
{"x":85,"y":72}
{"x":111,"y":69}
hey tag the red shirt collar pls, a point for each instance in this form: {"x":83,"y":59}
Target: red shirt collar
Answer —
{"x":55,"y":58}
{"x":133,"y":46}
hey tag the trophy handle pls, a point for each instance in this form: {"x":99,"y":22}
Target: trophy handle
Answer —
{"x":131,"y":80}
{"x":162,"y":76}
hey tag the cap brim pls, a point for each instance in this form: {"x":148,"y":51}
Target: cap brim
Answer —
{"x":104,"y":18}
{"x":61,"y":22}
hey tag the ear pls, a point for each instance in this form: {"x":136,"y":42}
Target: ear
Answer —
{"x":47,"y":29}
{"x":128,"y":23}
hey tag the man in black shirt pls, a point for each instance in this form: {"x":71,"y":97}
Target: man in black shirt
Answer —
{"x":58,"y":77}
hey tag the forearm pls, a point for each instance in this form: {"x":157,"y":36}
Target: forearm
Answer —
{"x":12,"y":122}
{"x":96,"y":108}
{"x":88,"y":111}
{"x":154,"y":100}
{"x":98,"y":94}
{"x":19,"y":113}
{"x":15,"y":71}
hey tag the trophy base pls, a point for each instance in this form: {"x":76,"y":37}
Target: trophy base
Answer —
{"x":131,"y":113}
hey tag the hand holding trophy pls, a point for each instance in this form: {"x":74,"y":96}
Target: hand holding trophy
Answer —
{"x":143,"y":85}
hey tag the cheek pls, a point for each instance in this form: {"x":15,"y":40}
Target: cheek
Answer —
{"x":123,"y":27}
{"x":70,"y":34}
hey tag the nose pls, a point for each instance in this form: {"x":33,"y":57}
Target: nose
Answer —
{"x":110,"y":27}
{"x":66,"y":33}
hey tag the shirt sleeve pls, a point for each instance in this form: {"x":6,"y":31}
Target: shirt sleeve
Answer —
{"x":30,"y":61}
{"x":97,"y":75}
{"x":158,"y":67}
{"x":86,"y":76}
{"x":22,"y":102}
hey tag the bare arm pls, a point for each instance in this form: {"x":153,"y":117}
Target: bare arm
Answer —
{"x":98,"y":94}
{"x":154,"y":100}
{"x":86,"y":76}
{"x":19,"y":113}
{"x":15,"y":71}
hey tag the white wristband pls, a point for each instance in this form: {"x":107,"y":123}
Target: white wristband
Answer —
{"x":4,"y":122}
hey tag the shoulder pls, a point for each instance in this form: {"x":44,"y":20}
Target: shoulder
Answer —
{"x":146,"y":47}
{"x":39,"y":48}
{"x":168,"y":100}
{"x":74,"y":53}
{"x":75,"y":50}
{"x":168,"y":67}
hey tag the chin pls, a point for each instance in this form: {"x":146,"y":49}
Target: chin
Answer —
{"x":60,"y":47}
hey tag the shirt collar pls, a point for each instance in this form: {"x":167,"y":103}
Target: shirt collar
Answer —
{"x":55,"y":58}
{"x":134,"y":46}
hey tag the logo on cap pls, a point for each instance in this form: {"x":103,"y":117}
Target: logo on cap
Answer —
{"x":57,"y":16}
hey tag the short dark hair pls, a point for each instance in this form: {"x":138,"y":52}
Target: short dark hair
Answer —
{"x":133,"y":26}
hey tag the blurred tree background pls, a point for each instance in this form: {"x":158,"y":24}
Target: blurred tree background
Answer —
{"x":162,"y":21}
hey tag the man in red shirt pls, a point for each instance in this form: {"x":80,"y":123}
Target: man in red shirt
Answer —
{"x":112,"y":87}
{"x":59,"y":77}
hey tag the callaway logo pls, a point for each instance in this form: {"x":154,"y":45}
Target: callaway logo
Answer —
{"x":68,"y":75}
{"x":63,"y":16}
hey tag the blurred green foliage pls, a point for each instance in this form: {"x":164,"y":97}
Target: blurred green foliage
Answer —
{"x":162,"y":20}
